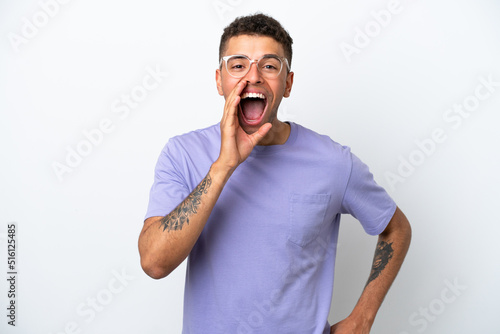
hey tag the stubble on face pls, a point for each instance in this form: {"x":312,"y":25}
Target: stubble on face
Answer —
{"x":274,"y":90}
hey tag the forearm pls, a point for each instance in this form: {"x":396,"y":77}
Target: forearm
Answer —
{"x":166,"y":241}
{"x":391,"y":250}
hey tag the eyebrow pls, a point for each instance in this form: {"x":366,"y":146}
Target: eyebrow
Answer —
{"x":270,"y":55}
{"x":267,"y":55}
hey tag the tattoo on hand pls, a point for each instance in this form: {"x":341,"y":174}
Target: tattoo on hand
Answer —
{"x":383,"y":254}
{"x":180,"y":216}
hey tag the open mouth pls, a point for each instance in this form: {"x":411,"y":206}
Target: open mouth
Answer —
{"x":252,"y":107}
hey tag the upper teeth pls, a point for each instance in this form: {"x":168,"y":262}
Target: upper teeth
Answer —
{"x":253,"y":95}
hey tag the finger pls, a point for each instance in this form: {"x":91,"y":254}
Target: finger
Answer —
{"x":261,"y":133}
{"x":230,"y":111}
{"x":234,"y":97}
{"x":238,"y":88}
{"x":232,"y":102}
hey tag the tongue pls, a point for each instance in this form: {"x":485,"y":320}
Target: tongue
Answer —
{"x":252,"y":108}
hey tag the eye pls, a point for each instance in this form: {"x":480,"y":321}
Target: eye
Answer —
{"x":237,"y":64}
{"x":270,"y":65}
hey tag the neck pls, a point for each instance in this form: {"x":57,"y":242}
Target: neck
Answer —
{"x":278,"y":135}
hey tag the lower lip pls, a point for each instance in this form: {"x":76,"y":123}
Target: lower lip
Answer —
{"x":252,"y":121}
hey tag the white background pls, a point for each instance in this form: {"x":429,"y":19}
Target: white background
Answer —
{"x":77,"y":231}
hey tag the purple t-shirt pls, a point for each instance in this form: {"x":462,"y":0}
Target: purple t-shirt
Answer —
{"x":265,"y":260}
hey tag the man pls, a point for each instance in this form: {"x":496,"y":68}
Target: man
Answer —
{"x":256,"y":204}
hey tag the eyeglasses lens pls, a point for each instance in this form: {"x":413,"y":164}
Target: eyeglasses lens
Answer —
{"x":269,"y":67}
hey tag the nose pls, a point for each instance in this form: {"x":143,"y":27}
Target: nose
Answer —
{"x":253,"y":75}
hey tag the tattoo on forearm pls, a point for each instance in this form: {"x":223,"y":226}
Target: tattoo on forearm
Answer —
{"x":383,"y":254}
{"x":180,"y":216}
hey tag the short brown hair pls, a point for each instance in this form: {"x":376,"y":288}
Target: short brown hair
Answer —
{"x":257,"y":24}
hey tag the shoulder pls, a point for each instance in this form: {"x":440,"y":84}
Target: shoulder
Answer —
{"x":189,"y":154}
{"x":320,"y":143}
{"x":200,"y":139}
{"x":198,"y":136}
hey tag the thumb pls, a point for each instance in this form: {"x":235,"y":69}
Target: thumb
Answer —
{"x":261,"y":133}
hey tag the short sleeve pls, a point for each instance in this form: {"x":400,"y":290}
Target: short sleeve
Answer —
{"x":169,"y":186}
{"x":366,"y":200}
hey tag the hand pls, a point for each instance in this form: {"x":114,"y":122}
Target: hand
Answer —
{"x":349,"y":326}
{"x":236,"y":144}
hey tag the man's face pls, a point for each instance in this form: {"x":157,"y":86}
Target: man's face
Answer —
{"x":252,"y":114}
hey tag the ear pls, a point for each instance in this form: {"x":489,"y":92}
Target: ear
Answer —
{"x":288,"y":84}
{"x":218,"y":80}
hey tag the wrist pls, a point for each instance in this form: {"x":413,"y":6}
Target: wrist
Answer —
{"x":221,"y":172}
{"x":363,"y":319}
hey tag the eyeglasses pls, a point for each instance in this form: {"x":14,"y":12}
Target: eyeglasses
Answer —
{"x":269,"y":66}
